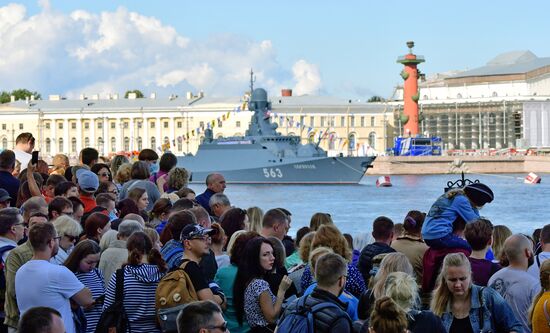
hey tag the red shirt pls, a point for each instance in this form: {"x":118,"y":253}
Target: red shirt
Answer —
{"x":89,"y":203}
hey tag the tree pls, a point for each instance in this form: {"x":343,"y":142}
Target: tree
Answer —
{"x":374,"y":99}
{"x":138,"y":93}
{"x":5,"y":96}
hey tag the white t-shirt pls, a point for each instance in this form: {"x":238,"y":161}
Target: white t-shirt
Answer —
{"x":534,"y":269}
{"x":23,"y":157}
{"x":40,"y":283}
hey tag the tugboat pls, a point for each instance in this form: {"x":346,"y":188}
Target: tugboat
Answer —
{"x":264,"y":156}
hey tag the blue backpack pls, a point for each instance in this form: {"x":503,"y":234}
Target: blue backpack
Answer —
{"x":301,"y":318}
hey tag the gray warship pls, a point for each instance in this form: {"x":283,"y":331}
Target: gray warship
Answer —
{"x":264,"y":156}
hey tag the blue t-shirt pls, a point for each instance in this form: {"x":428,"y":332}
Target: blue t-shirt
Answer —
{"x":349,"y":299}
{"x":442,"y":214}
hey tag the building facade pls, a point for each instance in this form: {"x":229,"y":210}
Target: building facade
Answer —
{"x":114,"y":125}
{"x":485,"y":108}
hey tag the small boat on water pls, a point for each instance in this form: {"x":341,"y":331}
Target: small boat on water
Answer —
{"x":532,"y":178}
{"x":383,"y":181}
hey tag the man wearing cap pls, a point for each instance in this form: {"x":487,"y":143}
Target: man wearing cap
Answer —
{"x":7,"y":180}
{"x":5,"y":199}
{"x":457,"y":205}
{"x":87,"y":183}
{"x":196,"y":243}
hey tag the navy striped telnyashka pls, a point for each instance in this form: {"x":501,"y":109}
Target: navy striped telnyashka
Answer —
{"x":140,"y":284}
{"x":94,"y":281}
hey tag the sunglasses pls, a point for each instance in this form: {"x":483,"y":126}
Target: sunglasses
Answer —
{"x":203,"y":238}
{"x":104,"y":174}
{"x":222,"y":327}
{"x":72,"y":239}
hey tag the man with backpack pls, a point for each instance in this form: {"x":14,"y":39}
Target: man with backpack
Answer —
{"x":196,"y":242}
{"x":186,"y":283}
{"x":321,"y":311}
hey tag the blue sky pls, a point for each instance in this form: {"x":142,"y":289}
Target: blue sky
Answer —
{"x":345,"y":49}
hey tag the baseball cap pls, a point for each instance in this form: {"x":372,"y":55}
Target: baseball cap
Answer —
{"x":87,"y":180}
{"x":4,"y":195}
{"x":191,"y":231}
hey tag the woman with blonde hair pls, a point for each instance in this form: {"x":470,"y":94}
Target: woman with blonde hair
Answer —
{"x":329,"y":236}
{"x":177,"y":179}
{"x":60,"y":163}
{"x":402,"y":289}
{"x":122,"y":174}
{"x":392,"y":262}
{"x":540,"y":308}
{"x":387,"y":317}
{"x":500,"y":233}
{"x":255,"y":216}
{"x":466,"y":307}
{"x":319,"y":219}
{"x":69,"y":230}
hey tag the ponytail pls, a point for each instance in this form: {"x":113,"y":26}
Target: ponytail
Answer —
{"x":134,"y":257}
{"x":155,"y":258}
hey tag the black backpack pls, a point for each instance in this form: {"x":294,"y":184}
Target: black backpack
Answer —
{"x":114,"y":318}
{"x":301,"y":319}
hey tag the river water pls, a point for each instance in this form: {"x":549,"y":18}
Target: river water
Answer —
{"x":519,"y":206}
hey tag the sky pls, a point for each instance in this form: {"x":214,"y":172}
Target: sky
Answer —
{"x":344,"y":49}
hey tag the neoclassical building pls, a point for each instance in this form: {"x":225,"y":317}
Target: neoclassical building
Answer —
{"x":111,"y":124}
{"x":490,"y":107}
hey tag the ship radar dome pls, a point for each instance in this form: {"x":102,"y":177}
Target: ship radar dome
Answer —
{"x":259,"y":95}
{"x":258,"y":100}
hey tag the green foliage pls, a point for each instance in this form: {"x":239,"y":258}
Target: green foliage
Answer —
{"x":374,"y":99}
{"x":5,"y":96}
{"x":404,"y":118}
{"x":138,"y":93}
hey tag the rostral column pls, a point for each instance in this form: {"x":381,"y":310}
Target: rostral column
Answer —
{"x":411,"y":95}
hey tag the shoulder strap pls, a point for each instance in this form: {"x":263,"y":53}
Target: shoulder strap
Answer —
{"x":4,"y":249}
{"x":119,"y":295}
{"x":481,"y":312}
{"x":538,"y":260}
{"x":545,"y":308}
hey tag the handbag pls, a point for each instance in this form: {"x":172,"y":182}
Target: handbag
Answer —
{"x":114,"y":318}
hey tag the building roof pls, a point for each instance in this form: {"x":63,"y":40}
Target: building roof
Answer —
{"x":319,"y":103}
{"x":515,"y":62}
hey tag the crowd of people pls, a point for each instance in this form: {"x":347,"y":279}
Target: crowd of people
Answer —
{"x":77,"y":241}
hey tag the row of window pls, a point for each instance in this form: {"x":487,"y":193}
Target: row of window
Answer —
{"x":332,"y":142}
{"x":329,"y":121}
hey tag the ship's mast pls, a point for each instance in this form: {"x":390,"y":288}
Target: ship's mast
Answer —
{"x":252,"y":80}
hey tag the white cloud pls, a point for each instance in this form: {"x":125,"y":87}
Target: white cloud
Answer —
{"x":307,"y":77}
{"x":113,"y":51}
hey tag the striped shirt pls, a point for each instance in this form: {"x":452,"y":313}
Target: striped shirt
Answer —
{"x":94,"y":281}
{"x":140,"y":284}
